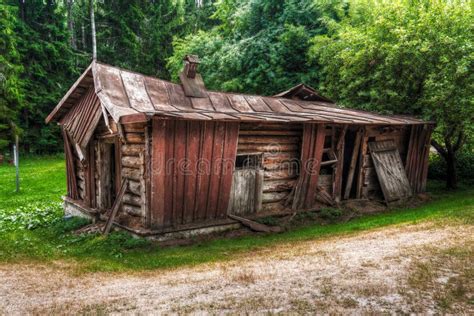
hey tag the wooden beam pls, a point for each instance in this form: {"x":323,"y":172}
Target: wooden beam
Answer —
{"x":115,"y":208}
{"x":338,"y":169}
{"x":133,"y":118}
{"x":355,"y":155}
{"x":362,"y":154}
{"x":258,"y":227}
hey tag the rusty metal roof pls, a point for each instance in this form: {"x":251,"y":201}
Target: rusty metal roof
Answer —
{"x":124,"y":93}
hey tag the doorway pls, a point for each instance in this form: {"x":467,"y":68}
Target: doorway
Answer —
{"x":108,"y":172}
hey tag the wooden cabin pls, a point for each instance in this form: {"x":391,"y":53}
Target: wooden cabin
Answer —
{"x":175,"y":157}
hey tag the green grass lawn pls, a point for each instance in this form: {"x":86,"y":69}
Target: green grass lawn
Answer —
{"x":42,"y":180}
{"x":32,"y":228}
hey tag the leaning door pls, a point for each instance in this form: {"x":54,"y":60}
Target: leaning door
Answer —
{"x":390,"y":171}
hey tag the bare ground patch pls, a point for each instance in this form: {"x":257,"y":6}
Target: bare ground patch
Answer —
{"x":417,"y":268}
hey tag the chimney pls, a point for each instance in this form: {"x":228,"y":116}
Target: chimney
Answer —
{"x":191,"y":80}
{"x":190,"y":65}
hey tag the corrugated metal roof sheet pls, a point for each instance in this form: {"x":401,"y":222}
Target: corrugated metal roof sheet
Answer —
{"x":124,"y":93}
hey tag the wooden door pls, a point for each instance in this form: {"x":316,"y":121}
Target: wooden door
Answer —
{"x":246,"y":192}
{"x":390,"y":171}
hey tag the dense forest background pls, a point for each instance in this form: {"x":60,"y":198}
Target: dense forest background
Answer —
{"x":404,"y":56}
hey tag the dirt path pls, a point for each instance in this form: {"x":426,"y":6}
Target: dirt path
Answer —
{"x":372,"y":271}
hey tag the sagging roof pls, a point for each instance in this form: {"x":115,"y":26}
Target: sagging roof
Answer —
{"x":124,"y":94}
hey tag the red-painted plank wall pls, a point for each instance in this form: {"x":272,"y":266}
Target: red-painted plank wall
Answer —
{"x":192,"y":166}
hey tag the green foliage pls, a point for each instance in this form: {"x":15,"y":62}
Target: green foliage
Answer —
{"x":464,"y":167}
{"x":258,"y":46}
{"x":409,"y":57}
{"x":50,"y":67}
{"x":138,"y":35}
{"x":45,"y":45}
{"x":30,"y":216}
{"x":330,"y":214}
{"x":11,"y":93}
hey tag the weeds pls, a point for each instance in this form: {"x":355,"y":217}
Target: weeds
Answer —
{"x":447,"y":276}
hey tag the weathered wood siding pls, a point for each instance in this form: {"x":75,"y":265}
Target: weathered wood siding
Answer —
{"x":191,"y":170}
{"x":280,"y":145}
{"x":390,"y":171}
{"x":70,"y":168}
{"x":246,"y":193}
{"x":311,"y":155}
{"x":418,"y":155}
{"x":368,"y":184}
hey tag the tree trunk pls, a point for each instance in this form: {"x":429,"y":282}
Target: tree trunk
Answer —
{"x":22,"y":10}
{"x":451,"y":177}
{"x":70,"y":23}
{"x":94,"y":45}
{"x":83,"y":37}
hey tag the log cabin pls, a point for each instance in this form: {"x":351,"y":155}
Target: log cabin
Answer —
{"x":161,"y":157}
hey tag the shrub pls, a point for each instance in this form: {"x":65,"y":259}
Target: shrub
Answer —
{"x":464,"y":167}
{"x":330,"y":214}
{"x":31,"y":216}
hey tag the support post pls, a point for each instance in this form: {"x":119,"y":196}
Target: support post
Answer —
{"x":16,"y":159}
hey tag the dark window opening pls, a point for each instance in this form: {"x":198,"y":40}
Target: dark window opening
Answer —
{"x":248,"y":161}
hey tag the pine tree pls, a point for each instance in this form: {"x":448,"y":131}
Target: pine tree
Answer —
{"x":50,"y":68}
{"x":11,"y":95}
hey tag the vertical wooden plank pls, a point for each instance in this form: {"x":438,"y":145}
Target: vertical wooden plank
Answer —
{"x":216,"y":169}
{"x":70,"y":168}
{"x":91,"y":175}
{"x":355,"y":154}
{"x":229,"y":155}
{"x":410,"y":165}
{"x":338,"y":172}
{"x":180,"y":165}
{"x":259,"y":190}
{"x":362,"y":154}
{"x":147,"y":175}
{"x":87,"y":183}
{"x":419,"y":153}
{"x":170,"y":183}
{"x":118,"y":163}
{"x":425,"y":160}
{"x":306,"y":151}
{"x":409,"y":159}
{"x":192,"y":155}
{"x":317,"y":157}
{"x":204,"y":169}
{"x":158,"y":161}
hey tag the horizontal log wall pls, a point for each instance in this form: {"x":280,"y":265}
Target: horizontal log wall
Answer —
{"x":133,"y":166}
{"x":281,"y":148}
